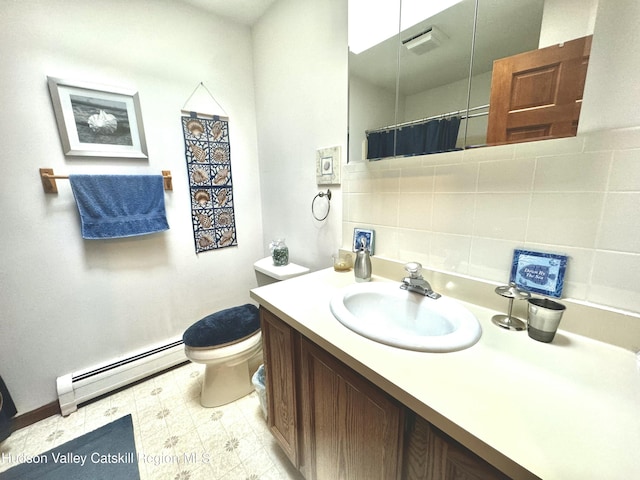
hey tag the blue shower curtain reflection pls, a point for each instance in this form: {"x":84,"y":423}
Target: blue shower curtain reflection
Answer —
{"x":433,"y":136}
{"x":380,"y":144}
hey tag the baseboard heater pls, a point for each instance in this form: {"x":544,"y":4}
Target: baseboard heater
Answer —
{"x":82,"y":386}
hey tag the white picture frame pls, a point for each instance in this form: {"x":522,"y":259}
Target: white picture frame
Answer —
{"x":328,"y":164}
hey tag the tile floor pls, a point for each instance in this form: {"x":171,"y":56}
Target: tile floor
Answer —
{"x":176,"y":438}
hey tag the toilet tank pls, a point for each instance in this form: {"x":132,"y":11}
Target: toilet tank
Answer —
{"x":267,"y":272}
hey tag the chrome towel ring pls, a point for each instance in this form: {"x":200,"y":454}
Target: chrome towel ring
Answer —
{"x":320,"y":195}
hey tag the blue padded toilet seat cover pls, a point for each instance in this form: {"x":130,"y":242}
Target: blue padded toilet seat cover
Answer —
{"x":223,"y":327}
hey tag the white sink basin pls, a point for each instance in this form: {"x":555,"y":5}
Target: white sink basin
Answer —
{"x":385,"y":313}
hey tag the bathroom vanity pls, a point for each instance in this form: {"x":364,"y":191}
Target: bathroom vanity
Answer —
{"x":333,"y":423}
{"x":344,"y":406}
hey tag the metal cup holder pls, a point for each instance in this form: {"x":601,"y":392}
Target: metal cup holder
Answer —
{"x":509,"y":322}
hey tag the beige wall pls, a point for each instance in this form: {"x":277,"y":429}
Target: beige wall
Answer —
{"x":300,"y":68}
{"x":68,"y":303}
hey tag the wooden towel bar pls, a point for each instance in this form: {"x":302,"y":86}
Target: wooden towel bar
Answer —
{"x":48,"y":179}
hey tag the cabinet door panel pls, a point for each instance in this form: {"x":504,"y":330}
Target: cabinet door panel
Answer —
{"x":279,"y":342}
{"x":537,"y":95}
{"x":432,"y":455}
{"x":352,"y":430}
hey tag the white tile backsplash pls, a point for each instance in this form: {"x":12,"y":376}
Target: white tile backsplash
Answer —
{"x":612,"y":140}
{"x":453,"y":213}
{"x":488,"y":261}
{"x":465,"y":212}
{"x":579,"y":271}
{"x":414,"y":210}
{"x":499,"y":216}
{"x":625,"y":171}
{"x":621,"y":223}
{"x":456,"y":178}
{"x":414,"y":246}
{"x":576,"y":172}
{"x":419,"y":179}
{"x":558,"y":146}
{"x":500,"y":152}
{"x":569,"y":218}
{"x":450,"y":252}
{"x":513,"y":175}
{"x":615,"y":280}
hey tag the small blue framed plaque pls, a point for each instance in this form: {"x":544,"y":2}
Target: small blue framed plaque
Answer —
{"x":363,"y":237}
{"x":539,"y":272}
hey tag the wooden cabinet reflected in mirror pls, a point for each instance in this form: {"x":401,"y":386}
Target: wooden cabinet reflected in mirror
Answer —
{"x":537,"y":95}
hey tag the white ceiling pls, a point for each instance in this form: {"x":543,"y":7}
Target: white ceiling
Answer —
{"x":246,"y":12}
{"x":501,"y":29}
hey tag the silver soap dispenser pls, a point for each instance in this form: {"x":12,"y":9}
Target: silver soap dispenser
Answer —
{"x":362,"y":267}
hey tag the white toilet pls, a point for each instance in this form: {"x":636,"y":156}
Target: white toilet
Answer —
{"x":267,"y":272}
{"x":229,"y":342}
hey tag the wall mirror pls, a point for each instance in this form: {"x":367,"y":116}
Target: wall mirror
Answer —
{"x":425,"y":84}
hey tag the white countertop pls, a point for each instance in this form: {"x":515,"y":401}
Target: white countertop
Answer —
{"x":564,"y":410}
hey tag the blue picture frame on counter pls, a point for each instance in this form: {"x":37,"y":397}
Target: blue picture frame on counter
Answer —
{"x":363,"y":237}
{"x":539,"y":272}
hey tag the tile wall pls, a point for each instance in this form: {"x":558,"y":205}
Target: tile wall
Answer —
{"x":466,"y":211}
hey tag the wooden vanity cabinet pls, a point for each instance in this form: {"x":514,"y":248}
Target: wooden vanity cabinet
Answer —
{"x":332,"y":423}
{"x":430,"y":454}
{"x":351,"y":428}
{"x":280,"y":344}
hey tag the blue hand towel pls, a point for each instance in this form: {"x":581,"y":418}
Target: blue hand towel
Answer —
{"x":116,"y":206}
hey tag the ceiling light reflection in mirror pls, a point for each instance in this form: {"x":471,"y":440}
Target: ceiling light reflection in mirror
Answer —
{"x":373,"y":22}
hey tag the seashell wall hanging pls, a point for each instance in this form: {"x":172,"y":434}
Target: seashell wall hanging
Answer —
{"x":210,"y":183}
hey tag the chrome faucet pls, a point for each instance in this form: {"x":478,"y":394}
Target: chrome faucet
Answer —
{"x":415,"y":283}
